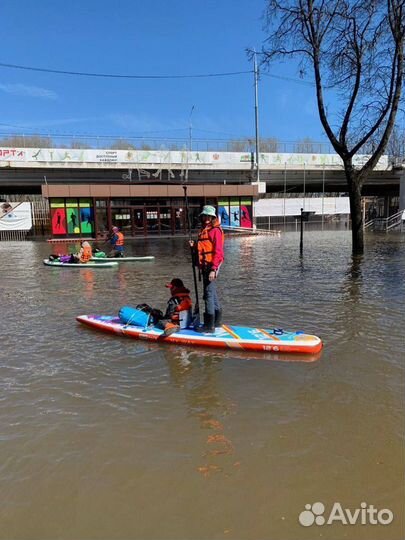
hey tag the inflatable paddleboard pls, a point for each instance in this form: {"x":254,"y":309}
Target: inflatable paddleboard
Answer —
{"x":89,"y":264}
{"x":225,"y":337}
{"x":121,"y":259}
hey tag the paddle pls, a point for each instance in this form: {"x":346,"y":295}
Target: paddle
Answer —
{"x":196,"y":313}
{"x":107,"y":242}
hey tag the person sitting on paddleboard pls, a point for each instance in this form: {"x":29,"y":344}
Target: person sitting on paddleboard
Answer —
{"x":210,"y":256}
{"x":84,"y":255}
{"x":178,"y":312}
{"x":117,"y":242}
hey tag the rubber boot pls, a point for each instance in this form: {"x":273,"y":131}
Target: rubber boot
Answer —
{"x":199,"y":328}
{"x":208,"y":326}
{"x":170,"y":329}
{"x":218,"y":318}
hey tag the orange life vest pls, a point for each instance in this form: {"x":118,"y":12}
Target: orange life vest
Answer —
{"x":86,"y":254}
{"x":179,"y":307}
{"x":120,"y":239}
{"x":205,"y":246}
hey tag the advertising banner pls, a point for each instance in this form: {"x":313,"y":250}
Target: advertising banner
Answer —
{"x":58,"y":220}
{"x":15,"y":216}
{"x":246,"y":213}
{"x":223,"y":212}
{"x":166,"y":159}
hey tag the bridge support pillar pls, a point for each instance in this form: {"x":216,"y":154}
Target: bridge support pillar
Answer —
{"x":402,"y":191}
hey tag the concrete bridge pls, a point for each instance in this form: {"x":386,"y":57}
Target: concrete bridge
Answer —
{"x":27,"y":169}
{"x":148,"y":182}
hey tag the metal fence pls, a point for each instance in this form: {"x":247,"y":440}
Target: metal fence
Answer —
{"x":40,"y":217}
{"x":327,"y":222}
{"x":246,"y":144}
{"x":13,"y":236}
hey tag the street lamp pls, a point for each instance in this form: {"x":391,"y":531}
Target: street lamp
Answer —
{"x":256,"y":75}
{"x":190,"y":128}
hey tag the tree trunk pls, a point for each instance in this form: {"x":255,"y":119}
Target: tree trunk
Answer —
{"x":355,"y":184}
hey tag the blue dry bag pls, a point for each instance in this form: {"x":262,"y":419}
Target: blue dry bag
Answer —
{"x":136,"y":317}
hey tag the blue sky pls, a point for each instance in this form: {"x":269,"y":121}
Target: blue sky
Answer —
{"x":154,"y":37}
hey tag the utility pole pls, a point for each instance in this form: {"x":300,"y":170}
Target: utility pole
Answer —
{"x":256,"y":74}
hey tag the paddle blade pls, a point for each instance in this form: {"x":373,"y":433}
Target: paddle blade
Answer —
{"x":196,"y":316}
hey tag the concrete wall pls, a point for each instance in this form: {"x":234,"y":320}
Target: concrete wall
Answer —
{"x":292,"y":206}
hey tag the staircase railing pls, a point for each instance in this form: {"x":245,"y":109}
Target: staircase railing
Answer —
{"x":385,"y":224}
{"x":368,"y":224}
{"x":394,"y":221}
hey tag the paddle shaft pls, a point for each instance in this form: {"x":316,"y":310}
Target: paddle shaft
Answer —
{"x":197,"y":304}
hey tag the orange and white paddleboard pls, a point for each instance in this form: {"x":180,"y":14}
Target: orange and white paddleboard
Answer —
{"x":225,"y":337}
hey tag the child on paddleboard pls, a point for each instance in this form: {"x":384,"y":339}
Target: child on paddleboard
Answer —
{"x":178,"y":312}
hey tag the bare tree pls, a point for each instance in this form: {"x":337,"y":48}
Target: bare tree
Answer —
{"x":355,"y":49}
{"x":396,"y":147}
{"x":27,"y":141}
{"x":79,"y":144}
{"x":269,"y":144}
{"x":305,"y":146}
{"x":242,"y":145}
{"x":122,"y":144}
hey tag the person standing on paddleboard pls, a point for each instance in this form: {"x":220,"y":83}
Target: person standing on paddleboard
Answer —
{"x":210,"y":256}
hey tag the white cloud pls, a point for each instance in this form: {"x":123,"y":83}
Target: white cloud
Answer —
{"x":30,"y":91}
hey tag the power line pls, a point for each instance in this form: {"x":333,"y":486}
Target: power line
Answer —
{"x":41,"y":132}
{"x":120,"y":76}
{"x":217,"y":132}
{"x":141,"y":134}
{"x":55,"y":131}
{"x":281,"y":77}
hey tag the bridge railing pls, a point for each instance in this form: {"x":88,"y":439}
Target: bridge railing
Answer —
{"x":197,"y":144}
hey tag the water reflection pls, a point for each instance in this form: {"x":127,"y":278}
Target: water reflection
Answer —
{"x":196,"y":374}
{"x":88,"y":279}
{"x":353,"y":282}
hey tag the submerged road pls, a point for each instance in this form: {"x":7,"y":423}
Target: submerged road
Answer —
{"x":109,"y":438}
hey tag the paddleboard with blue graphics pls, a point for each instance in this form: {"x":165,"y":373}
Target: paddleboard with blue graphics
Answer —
{"x":225,"y":337}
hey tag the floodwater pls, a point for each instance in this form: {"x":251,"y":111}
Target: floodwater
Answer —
{"x":105,"y":437}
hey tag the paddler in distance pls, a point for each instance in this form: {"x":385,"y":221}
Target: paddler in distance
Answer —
{"x":210,"y":256}
{"x":117,"y":241}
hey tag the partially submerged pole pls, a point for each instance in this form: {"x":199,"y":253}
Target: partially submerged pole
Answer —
{"x":301,"y":233}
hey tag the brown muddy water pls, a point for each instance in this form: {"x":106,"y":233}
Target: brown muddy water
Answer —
{"x":109,"y":438}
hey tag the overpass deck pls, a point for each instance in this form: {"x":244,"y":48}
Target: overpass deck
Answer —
{"x":29,"y":168}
